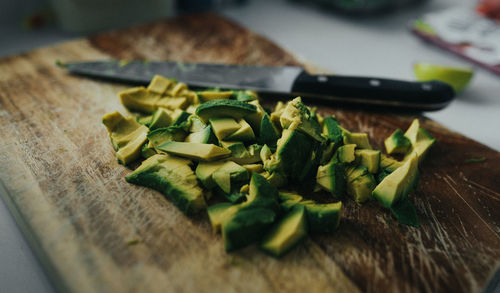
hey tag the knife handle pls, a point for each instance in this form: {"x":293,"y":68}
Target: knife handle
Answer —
{"x":429,"y":95}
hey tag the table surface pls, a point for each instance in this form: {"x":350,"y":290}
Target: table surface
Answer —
{"x":330,"y":41}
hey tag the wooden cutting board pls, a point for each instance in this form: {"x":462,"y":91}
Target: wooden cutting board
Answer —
{"x":93,"y":232}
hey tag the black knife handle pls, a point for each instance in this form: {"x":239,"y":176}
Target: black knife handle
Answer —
{"x":429,"y":95}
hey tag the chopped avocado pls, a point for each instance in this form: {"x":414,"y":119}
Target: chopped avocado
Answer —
{"x":224,"y":108}
{"x":173,"y":103}
{"x":332,"y":130}
{"x":256,"y":168}
{"x":241,"y":155}
{"x":176,"y":89}
{"x":287,"y":233}
{"x":289,"y":200}
{"x":296,"y":115}
{"x":219,"y":213}
{"x":205,"y":135}
{"x":255,"y":118}
{"x":160,"y":119}
{"x":195,"y":151}
{"x":139,"y":99}
{"x":346,"y":153}
{"x":144,"y":120}
{"x":368,"y":158}
{"x":224,"y":126}
{"x":196,"y":124}
{"x":205,"y":170}
{"x":244,"y":133}
{"x":268,"y":134}
{"x":127,"y":136}
{"x":353,"y":172}
{"x":162,"y":135}
{"x":245,"y":96}
{"x":327,"y":153}
{"x":262,"y":193}
{"x":331,"y":177}
{"x":323,"y":218}
{"x":229,"y":171}
{"x":246,"y":226}
{"x":397,"y":143}
{"x":180,"y":117}
{"x":294,"y":151}
{"x":357,"y":138}
{"x":147,"y":152}
{"x":420,"y":139}
{"x":174,"y":178}
{"x":389,"y":164}
{"x":398,"y":184}
{"x":276,"y":178}
{"x":361,"y":187}
{"x":159,"y":84}
{"x":214,"y":95}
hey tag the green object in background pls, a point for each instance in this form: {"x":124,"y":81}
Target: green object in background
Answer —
{"x":456,"y":77}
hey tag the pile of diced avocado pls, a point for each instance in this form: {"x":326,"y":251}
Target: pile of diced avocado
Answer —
{"x":223,"y":147}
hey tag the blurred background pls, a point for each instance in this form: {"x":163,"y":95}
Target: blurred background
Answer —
{"x":382,"y":38}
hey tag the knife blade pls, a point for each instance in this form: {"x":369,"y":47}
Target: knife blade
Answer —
{"x":285,"y":80}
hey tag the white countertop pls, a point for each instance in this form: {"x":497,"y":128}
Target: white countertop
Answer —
{"x":379,"y":46}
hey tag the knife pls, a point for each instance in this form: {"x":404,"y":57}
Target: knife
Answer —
{"x":285,"y":80}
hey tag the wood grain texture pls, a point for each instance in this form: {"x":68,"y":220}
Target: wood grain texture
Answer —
{"x":96,"y":233}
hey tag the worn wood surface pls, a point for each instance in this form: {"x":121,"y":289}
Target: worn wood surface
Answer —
{"x":95,"y":233}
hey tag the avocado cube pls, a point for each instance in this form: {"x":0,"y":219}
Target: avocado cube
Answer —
{"x":227,"y":173}
{"x":294,"y":151}
{"x":398,"y":184}
{"x":331,"y":177}
{"x":224,"y":108}
{"x":368,"y":158}
{"x":346,"y":153}
{"x":420,"y":139}
{"x":223,"y":127}
{"x":332,"y":130}
{"x":160,"y":119}
{"x":219,"y":213}
{"x":205,"y":170}
{"x":296,"y":115}
{"x":357,"y":138}
{"x":397,"y":143}
{"x":140,"y":100}
{"x":361,"y":188}
{"x":174,"y":178}
{"x":268,"y":133}
{"x":287,"y":233}
{"x":159,"y":84}
{"x":205,"y":135}
{"x":214,"y":95}
{"x":244,"y":133}
{"x":246,"y":226}
{"x":323,"y":218}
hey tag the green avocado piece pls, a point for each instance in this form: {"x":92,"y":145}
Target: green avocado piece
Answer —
{"x":180,"y":117}
{"x":268,"y":133}
{"x":140,"y":100}
{"x":195,"y":151}
{"x":289,"y":200}
{"x":214,"y":95}
{"x":219,"y":213}
{"x":174,"y":178}
{"x":287,"y":233}
{"x":357,"y":138}
{"x":294,"y":151}
{"x":144,"y":120}
{"x":296,"y":115}
{"x":227,"y":173}
{"x":204,"y":135}
{"x":244,"y":133}
{"x":323,"y":218}
{"x":353,"y":172}
{"x":331,"y":177}
{"x":245,"y":96}
{"x":160,"y":119}
{"x":368,"y":158}
{"x":332,"y":130}
{"x":262,"y":193}
{"x":397,"y":143}
{"x":420,"y":139}
{"x":127,"y":136}
{"x":147,"y":152}
{"x":389,"y":164}
{"x":246,"y":226}
{"x":224,"y":126}
{"x":242,"y":155}
{"x":346,"y":153}
{"x":159,"y":84}
{"x":162,"y":135}
{"x":205,"y":170}
{"x":398,"y":184}
{"x":224,"y":108}
{"x":361,"y":188}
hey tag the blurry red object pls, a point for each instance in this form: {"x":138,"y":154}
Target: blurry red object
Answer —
{"x":489,"y":8}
